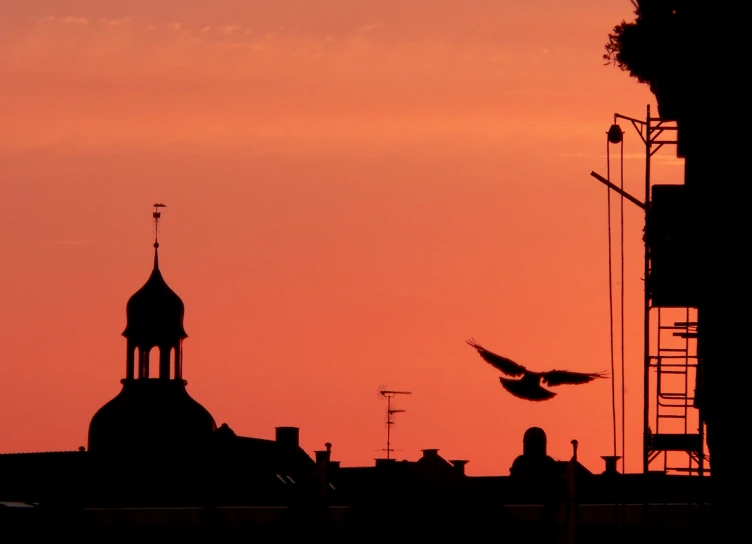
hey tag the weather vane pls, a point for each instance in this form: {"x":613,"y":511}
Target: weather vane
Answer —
{"x":157,"y":214}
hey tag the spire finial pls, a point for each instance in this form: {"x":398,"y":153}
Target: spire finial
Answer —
{"x":156,"y":215}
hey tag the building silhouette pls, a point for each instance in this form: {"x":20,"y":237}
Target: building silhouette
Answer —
{"x":153,"y":445}
{"x":153,"y":411}
{"x":153,"y":430}
{"x":157,"y":459}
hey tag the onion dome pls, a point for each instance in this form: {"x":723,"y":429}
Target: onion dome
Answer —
{"x":155,"y":312}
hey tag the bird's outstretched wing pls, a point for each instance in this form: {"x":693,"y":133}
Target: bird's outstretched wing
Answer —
{"x":564,"y":377}
{"x":526,"y":389}
{"x":507,"y":366}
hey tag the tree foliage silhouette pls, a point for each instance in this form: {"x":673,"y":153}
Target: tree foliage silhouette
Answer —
{"x":653,"y":49}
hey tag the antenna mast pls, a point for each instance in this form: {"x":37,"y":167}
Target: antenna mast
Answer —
{"x":389,"y":395}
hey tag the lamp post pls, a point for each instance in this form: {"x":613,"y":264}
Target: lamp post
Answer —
{"x":649,"y":130}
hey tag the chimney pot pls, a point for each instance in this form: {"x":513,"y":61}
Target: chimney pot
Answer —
{"x":430,"y":453}
{"x":611,"y":461}
{"x":459,"y":466}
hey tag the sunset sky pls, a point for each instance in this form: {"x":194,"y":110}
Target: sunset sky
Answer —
{"x":353,"y":189}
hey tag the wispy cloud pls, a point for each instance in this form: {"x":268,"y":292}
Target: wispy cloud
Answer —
{"x":45,"y":242}
{"x":76,"y":21}
{"x":116,"y":22}
{"x":369,"y":27}
{"x":165,"y":84}
{"x":227,"y":30}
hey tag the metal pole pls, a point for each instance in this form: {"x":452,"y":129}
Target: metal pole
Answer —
{"x":646,"y":347}
{"x":388,"y":426}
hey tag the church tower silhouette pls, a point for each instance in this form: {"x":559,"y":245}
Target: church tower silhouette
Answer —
{"x":153,"y":411}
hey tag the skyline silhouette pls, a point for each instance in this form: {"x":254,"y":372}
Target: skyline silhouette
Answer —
{"x":337,"y":254}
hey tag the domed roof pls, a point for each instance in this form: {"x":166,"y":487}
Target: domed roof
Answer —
{"x":535,"y":435}
{"x":534,"y":442}
{"x":150,"y":416}
{"x":155,"y":312}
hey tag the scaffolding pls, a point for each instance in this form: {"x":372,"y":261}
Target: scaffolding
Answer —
{"x":675,"y":438}
{"x":673,"y":427}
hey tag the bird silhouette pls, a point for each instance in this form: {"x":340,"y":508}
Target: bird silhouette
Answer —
{"x":528,"y":386}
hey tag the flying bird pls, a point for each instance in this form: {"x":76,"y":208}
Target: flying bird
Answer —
{"x":528,"y":384}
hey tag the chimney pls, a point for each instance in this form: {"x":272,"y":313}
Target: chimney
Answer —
{"x":288,"y":437}
{"x":430,"y":454}
{"x":334,"y":465}
{"x":611,"y":464}
{"x":459,"y":466}
{"x":324,"y":456}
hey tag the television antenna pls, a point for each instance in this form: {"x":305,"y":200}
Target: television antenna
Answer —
{"x":390,"y":411}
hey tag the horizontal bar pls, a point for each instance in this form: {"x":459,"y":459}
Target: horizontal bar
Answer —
{"x":620,"y":116}
{"x":675,"y":357}
{"x":618,"y":190}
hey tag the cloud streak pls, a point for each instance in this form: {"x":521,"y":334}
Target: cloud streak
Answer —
{"x":229,"y":30}
{"x":83,"y":21}
{"x":45,"y":242}
{"x":131,"y":82}
{"x":116,"y":22}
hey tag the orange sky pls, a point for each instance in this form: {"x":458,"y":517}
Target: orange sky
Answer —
{"x":353,"y":189}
